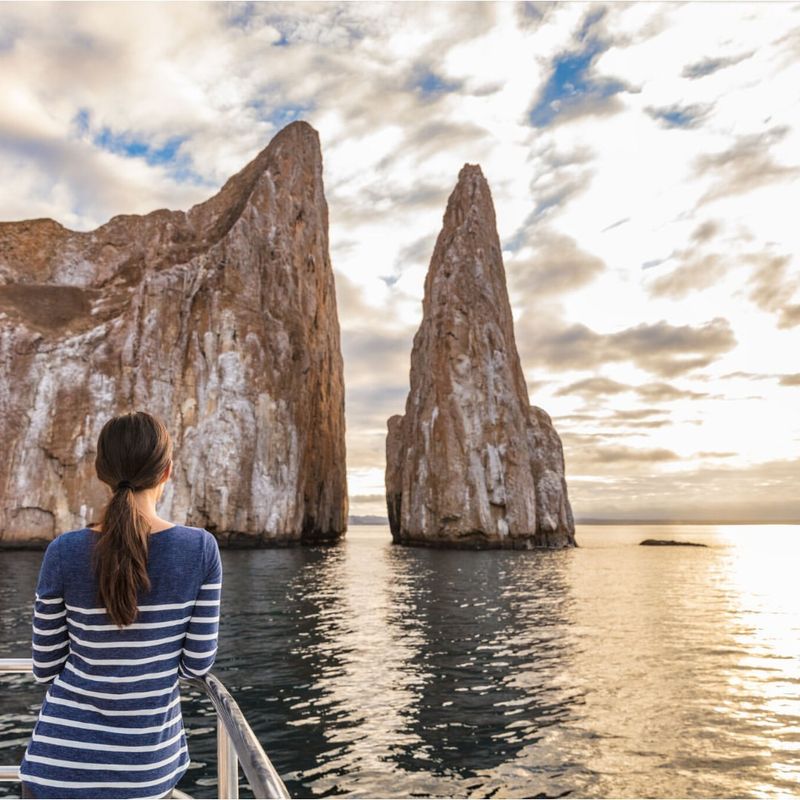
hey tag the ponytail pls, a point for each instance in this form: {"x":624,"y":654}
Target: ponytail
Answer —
{"x":133,"y":452}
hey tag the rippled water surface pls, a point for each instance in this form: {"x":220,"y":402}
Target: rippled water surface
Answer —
{"x":611,"y":670}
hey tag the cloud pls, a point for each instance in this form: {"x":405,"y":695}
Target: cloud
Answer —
{"x":556,"y":265}
{"x":354,"y":311}
{"x":789,"y":316}
{"x":695,"y":272}
{"x":763,"y":491}
{"x":368,"y":498}
{"x":376,"y":357}
{"x":430,"y":85}
{"x":773,"y":285}
{"x":573,"y":90}
{"x":783,"y":379}
{"x":631,"y":419}
{"x":706,"y":231}
{"x":659,"y":392}
{"x":606,"y":454}
{"x":679,"y":116}
{"x":586,"y":455}
{"x":772,"y":281}
{"x":427,"y":137}
{"x":559,"y":176}
{"x":418,"y":251}
{"x":707,"y":66}
{"x":633,"y":425}
{"x":748,"y":375}
{"x":371,"y":404}
{"x":615,"y":224}
{"x":593,"y":387}
{"x":638,"y":413}
{"x":531,"y":13}
{"x":368,"y":407}
{"x":744,"y":166}
{"x":325,"y":25}
{"x":425,"y":196}
{"x":661,"y":348}
{"x":66,"y":181}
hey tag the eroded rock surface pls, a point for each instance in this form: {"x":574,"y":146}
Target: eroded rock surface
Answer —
{"x":471,"y":463}
{"x":221,"y":319}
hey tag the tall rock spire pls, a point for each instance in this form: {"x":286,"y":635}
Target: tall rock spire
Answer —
{"x":471,"y":463}
{"x":221,"y":319}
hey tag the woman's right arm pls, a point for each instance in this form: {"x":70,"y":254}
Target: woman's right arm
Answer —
{"x":50,"y":638}
{"x":200,"y":642}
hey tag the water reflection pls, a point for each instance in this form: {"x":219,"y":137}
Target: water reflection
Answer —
{"x":291,"y":649}
{"x":489,"y":646}
{"x":366,"y":692}
{"x":20,"y":697}
{"x":760,"y":687}
{"x":679,"y":674}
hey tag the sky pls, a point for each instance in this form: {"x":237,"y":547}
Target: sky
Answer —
{"x":644,"y":162}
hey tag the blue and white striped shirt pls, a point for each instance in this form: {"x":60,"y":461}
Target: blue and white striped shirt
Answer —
{"x":110,"y":725}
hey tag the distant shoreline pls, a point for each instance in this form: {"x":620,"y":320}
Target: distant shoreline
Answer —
{"x":376,"y":520}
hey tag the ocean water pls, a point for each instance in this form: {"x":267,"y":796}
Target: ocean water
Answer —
{"x":610,"y":670}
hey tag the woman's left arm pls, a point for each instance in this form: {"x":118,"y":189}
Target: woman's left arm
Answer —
{"x":50,"y":637}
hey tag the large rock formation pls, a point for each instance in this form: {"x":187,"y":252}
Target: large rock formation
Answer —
{"x":471,"y":463}
{"x":221,"y":319}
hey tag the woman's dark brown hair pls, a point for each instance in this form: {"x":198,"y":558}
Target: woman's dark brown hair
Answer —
{"x":133,"y":453}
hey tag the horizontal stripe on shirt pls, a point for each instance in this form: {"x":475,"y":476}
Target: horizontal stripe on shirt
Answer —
{"x":111,"y":712}
{"x":96,"y":726}
{"x":149,"y":676}
{"x":162,"y":607}
{"x":120,"y":748}
{"x":127,"y":661}
{"x":48,"y":647}
{"x":143,"y":643}
{"x":126,"y":695}
{"x":42,"y":664}
{"x":40,"y":615}
{"x":140,"y":625}
{"x":100,"y":784}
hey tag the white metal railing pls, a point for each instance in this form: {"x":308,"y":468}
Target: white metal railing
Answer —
{"x":236,"y":742}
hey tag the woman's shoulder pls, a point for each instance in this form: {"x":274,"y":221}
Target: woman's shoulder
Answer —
{"x":193,"y":531}
{"x":80,"y":536}
{"x":198,"y":539}
{"x":68,"y":538}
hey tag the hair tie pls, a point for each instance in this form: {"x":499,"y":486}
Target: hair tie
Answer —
{"x":124,"y":485}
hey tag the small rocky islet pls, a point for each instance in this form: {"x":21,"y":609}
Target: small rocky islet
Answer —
{"x":669,"y":543}
{"x":223,"y":321}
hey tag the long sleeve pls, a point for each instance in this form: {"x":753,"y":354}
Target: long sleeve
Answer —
{"x":200,"y":642}
{"x":50,"y":641}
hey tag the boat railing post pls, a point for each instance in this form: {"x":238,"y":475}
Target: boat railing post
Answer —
{"x":227,"y":764}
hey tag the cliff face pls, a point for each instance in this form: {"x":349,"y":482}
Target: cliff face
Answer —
{"x":471,"y":463}
{"x":222,"y":320}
